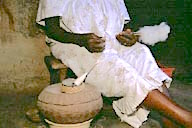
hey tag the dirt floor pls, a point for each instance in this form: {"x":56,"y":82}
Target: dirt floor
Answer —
{"x":13,"y":108}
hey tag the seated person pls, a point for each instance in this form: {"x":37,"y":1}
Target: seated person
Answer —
{"x":89,"y":34}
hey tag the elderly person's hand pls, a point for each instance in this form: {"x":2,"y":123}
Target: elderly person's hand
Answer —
{"x":127,"y":38}
{"x":95,"y":43}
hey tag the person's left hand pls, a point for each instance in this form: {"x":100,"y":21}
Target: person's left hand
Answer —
{"x":127,"y":38}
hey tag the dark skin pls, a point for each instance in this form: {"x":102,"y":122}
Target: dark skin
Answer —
{"x":90,"y":41}
{"x":93,"y":43}
{"x":127,"y":38}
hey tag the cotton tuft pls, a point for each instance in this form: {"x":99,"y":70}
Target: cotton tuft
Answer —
{"x":151,"y":35}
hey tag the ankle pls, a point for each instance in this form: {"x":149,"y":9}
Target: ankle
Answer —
{"x":167,"y":123}
{"x":188,"y":120}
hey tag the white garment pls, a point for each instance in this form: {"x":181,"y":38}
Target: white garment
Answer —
{"x":130,"y":72}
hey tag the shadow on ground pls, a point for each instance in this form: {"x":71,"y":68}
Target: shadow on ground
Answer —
{"x":13,"y":108}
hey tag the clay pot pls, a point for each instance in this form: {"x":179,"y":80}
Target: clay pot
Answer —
{"x":69,"y":108}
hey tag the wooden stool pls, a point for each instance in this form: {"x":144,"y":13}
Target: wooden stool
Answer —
{"x":58,"y":71}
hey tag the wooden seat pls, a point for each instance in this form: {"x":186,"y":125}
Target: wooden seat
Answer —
{"x":57,"y":64}
{"x":58,"y":71}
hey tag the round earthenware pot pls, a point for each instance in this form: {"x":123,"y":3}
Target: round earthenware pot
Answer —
{"x":69,"y":108}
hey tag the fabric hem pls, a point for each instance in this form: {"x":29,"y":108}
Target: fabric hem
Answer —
{"x":156,"y":77}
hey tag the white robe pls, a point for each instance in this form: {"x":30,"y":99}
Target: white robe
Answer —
{"x":129,"y":72}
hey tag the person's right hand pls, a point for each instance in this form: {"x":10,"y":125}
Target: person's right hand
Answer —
{"x":95,"y":43}
{"x":127,"y":38}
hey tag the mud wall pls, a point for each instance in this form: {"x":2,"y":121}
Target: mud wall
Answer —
{"x":22,"y":48}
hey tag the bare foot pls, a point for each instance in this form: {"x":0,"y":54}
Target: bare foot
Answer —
{"x":33,"y":115}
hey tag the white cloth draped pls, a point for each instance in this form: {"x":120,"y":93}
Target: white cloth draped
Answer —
{"x":130,"y":72}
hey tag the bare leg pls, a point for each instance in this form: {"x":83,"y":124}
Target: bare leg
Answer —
{"x":161,"y":103}
{"x":167,"y":123}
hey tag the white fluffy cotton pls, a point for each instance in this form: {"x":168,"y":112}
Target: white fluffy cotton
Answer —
{"x":153,"y":34}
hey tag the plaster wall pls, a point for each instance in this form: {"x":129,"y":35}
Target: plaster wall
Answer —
{"x":22,"y":48}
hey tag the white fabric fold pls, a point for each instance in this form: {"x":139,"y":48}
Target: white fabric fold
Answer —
{"x":128,"y":72}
